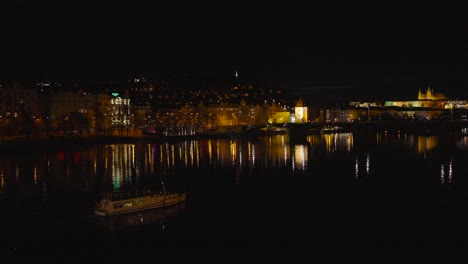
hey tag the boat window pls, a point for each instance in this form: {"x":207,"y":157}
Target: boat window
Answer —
{"x":118,"y":205}
{"x":139,"y":201}
{"x":128,"y":203}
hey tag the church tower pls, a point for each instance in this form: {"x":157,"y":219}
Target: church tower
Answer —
{"x":429,"y":93}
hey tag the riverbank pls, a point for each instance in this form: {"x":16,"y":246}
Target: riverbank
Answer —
{"x":25,"y":144}
{"x":413,"y":126}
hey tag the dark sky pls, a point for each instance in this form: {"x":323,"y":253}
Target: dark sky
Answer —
{"x":270,"y":41}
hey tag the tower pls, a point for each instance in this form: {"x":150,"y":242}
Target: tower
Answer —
{"x":429,"y":93}
{"x":301,"y":112}
{"x":236,"y":79}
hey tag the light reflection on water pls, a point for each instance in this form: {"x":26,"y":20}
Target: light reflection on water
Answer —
{"x":122,"y":167}
{"x":446,"y":171}
{"x":333,"y":142}
{"x":300,"y":157}
{"x":419,"y":143}
{"x":2,"y":181}
{"x":427,"y":143}
{"x":463,"y":143}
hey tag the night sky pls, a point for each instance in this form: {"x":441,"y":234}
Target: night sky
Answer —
{"x":288,"y":44}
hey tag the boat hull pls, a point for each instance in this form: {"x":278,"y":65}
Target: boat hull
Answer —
{"x":156,"y":216}
{"x":107,"y":207}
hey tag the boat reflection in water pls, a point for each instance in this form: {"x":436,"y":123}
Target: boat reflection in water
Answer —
{"x":146,"y":217}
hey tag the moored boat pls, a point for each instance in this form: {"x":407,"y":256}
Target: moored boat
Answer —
{"x":157,"y":216}
{"x":119,"y":205}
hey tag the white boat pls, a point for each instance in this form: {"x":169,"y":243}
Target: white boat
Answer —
{"x":132,"y":203}
{"x":157,"y":216}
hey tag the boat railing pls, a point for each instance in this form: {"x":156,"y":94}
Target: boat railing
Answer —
{"x":115,"y":196}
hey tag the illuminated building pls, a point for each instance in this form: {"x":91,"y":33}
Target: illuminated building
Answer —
{"x":278,"y":115}
{"x":112,"y":112}
{"x":430,"y":95}
{"x":427,"y":100}
{"x":301,"y":112}
{"x":120,"y":111}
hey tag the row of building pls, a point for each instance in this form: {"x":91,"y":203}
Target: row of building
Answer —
{"x":26,"y":111}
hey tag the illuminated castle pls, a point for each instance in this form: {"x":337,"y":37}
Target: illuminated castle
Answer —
{"x":430,"y":95}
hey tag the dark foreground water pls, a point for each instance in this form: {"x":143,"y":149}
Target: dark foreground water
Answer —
{"x":340,"y":197}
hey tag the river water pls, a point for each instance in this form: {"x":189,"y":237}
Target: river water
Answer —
{"x":344,"y":195}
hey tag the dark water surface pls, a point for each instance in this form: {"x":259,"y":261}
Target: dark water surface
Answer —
{"x":340,"y":196}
